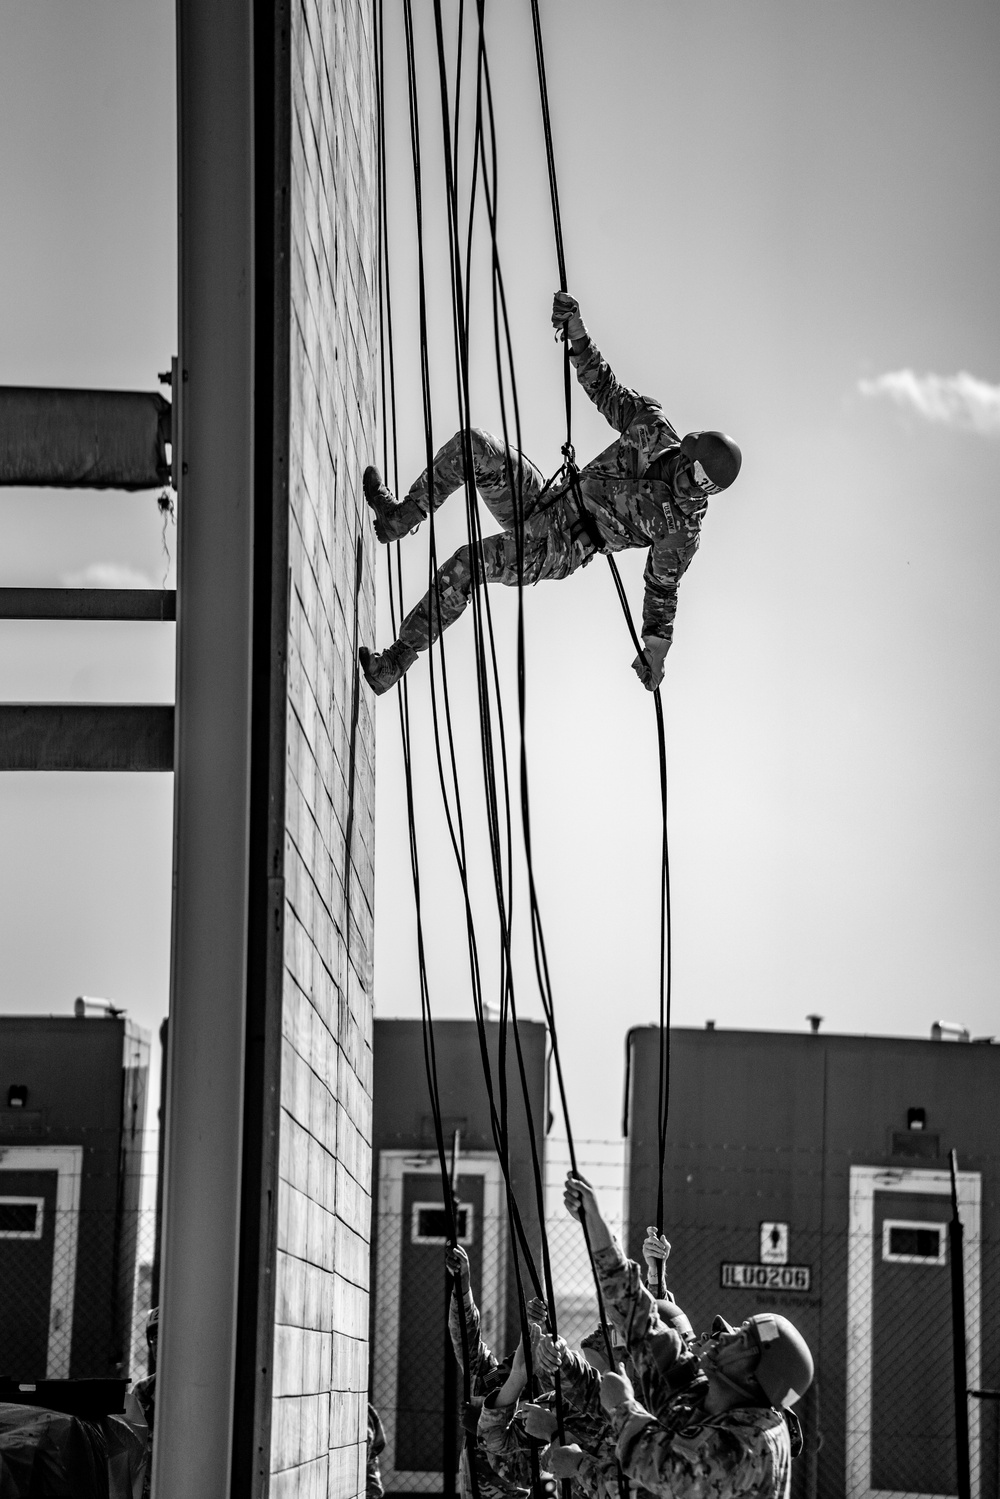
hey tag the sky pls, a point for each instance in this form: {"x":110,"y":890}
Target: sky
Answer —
{"x":782,"y":221}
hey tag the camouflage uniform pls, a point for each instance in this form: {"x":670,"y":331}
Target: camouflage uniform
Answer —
{"x":673,"y":1448}
{"x":486,"y":1375}
{"x":375,"y":1445}
{"x":622,"y":499}
{"x":509,"y":1446}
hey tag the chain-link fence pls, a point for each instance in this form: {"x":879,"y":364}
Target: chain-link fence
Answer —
{"x":76,"y":1264}
{"x":861,"y":1259}
{"x":874,"y":1296}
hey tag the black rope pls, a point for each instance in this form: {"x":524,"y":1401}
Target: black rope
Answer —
{"x":430,"y":1060}
{"x":541,"y":961}
{"x":485,"y":648}
{"x":483,"y":633}
{"x":480,"y":608}
{"x":663,"y":1084}
{"x":455,"y":822}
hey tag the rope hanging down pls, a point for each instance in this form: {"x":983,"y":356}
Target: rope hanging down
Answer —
{"x":485,"y":648}
{"x":483,"y":628}
{"x":455,"y":825}
{"x":663,"y":1084}
{"x":455,"y":821}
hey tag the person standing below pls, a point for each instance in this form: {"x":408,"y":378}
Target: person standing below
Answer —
{"x":714,"y":1418}
{"x":487,"y":1375}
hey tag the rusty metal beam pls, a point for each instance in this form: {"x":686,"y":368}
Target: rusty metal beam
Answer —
{"x":87,"y":736}
{"x":88,"y":603}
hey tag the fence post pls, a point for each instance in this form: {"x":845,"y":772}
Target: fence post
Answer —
{"x":450,"y":1425}
{"x":958,"y":1339}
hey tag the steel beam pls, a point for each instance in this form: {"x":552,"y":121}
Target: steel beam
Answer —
{"x":86,"y":736}
{"x":84,"y":439}
{"x":88,"y":603}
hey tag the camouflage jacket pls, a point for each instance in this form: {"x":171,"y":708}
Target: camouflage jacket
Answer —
{"x":740,"y":1454}
{"x":598,"y":1474}
{"x":486,"y":1372}
{"x":508,"y":1445}
{"x":486,"y":1375}
{"x":673,"y":1448}
{"x":629,"y":507}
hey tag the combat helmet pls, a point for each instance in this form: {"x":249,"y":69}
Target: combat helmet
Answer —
{"x":718,"y":455}
{"x":785,"y":1368}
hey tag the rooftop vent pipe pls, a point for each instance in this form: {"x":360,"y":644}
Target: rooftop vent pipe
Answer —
{"x":949,"y":1030}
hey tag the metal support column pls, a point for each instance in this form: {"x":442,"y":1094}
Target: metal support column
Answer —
{"x":213,"y":434}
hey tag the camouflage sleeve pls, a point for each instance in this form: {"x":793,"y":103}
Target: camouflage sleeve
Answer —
{"x":616,"y":403}
{"x":629,"y":1304}
{"x":597,"y":1474}
{"x":665,"y":566}
{"x":703,"y":1461}
{"x":483,"y":1361}
{"x":581,"y":1386}
{"x":505,"y":1444}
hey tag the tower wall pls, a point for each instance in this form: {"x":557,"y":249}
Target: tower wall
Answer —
{"x":324,"y":1203}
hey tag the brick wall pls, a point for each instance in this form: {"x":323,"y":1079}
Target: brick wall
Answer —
{"x":321,"y":1302}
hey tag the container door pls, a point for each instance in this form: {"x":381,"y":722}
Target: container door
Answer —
{"x":409,"y":1325}
{"x":420,"y":1381}
{"x":27,"y":1231}
{"x":913,"y":1402}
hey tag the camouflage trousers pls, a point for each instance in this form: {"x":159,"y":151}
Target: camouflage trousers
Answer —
{"x":555,"y":541}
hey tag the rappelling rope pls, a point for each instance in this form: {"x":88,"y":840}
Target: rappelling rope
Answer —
{"x":481,"y":613}
{"x":663,"y":1081}
{"x":455,"y":822}
{"x":456,"y":828}
{"x":427,"y":1031}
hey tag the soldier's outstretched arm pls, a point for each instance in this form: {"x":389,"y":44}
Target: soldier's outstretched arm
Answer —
{"x":630,"y":1306}
{"x":666,"y":564}
{"x":616,"y":403}
{"x":482,"y":1360}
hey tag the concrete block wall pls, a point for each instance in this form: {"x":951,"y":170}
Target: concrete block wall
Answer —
{"x":324,"y":1207}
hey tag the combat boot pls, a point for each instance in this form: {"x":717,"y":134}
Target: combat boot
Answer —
{"x":392,"y":518}
{"x":383,"y":669}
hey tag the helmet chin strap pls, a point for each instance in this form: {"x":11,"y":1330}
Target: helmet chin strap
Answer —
{"x":747,"y":1395}
{"x":746,"y":1392}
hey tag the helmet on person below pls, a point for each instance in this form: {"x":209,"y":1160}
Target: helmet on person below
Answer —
{"x":152,"y":1324}
{"x":718,"y":455}
{"x":785,"y":1368}
{"x":671,"y":1314}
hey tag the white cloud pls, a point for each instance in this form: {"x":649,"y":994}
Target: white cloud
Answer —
{"x":953,"y":400}
{"x":107,"y":575}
